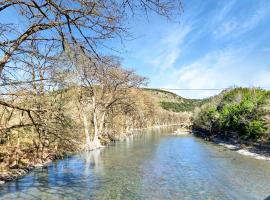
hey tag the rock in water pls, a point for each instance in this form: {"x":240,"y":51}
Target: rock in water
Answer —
{"x":181,"y":132}
{"x":38,"y":165}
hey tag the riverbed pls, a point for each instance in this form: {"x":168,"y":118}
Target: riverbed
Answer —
{"x":150,"y":165}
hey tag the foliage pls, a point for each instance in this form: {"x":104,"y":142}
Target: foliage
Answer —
{"x":187,"y":105}
{"x":172,"y":102}
{"x":241,"y":113}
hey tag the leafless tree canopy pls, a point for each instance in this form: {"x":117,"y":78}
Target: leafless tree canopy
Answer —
{"x":84,"y":23}
{"x":55,"y":81}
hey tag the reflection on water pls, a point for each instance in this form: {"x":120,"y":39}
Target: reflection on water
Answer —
{"x":148,"y":166}
{"x":92,"y":161}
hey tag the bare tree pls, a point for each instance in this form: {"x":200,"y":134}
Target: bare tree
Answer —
{"x":103,"y":83}
{"x":84,"y":23}
{"x":33,"y":75}
{"x":36,"y":106}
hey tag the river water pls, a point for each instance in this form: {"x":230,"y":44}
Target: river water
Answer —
{"x":152,"y":165}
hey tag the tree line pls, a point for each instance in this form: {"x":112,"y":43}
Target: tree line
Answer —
{"x":59,"y":92}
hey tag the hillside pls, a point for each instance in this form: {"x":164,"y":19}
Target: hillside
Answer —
{"x":173,"y":102}
{"x":239,"y":114}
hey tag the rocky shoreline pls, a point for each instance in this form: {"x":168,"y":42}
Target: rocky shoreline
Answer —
{"x":257,"y":151}
{"x":11,"y":176}
{"x":14,"y":174}
{"x":19,"y":172}
{"x":252,"y":151}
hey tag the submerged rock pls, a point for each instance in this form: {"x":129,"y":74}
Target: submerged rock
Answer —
{"x":38,"y":165}
{"x":182,"y":132}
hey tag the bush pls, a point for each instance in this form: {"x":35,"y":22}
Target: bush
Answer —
{"x":236,"y":113}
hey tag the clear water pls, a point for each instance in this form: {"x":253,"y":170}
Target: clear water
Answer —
{"x":148,"y":166}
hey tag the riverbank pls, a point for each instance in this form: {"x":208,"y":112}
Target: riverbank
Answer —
{"x":252,"y":151}
{"x":14,"y":174}
{"x":136,"y":131}
{"x":138,"y":169}
{"x":237,"y":118}
{"x":19,"y":172}
{"x":257,"y":151}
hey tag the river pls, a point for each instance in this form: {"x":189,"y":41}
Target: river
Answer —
{"x":153,"y":165}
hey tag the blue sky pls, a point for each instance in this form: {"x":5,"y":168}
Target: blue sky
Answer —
{"x":216,"y":44}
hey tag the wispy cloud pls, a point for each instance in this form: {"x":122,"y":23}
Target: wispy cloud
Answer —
{"x":168,"y":49}
{"x":267,"y":49}
{"x":226,"y":28}
{"x":226,"y":9}
{"x":220,"y":69}
{"x":218,"y":44}
{"x":234,"y":26}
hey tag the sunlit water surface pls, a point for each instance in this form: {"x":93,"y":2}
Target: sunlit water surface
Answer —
{"x":148,"y":166}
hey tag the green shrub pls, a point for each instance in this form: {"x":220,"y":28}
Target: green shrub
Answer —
{"x":239,"y":112}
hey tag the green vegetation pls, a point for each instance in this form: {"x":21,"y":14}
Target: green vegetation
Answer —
{"x":172,"y":102}
{"x":38,"y":127}
{"x":187,"y":105}
{"x":242,"y":114}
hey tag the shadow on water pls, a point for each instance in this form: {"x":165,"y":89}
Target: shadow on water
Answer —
{"x":82,"y":175}
{"x":267,"y":198}
{"x":69,"y":178}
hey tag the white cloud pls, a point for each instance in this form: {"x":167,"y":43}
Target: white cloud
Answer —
{"x":225,"y":10}
{"x":219,"y":69}
{"x":209,"y":63}
{"x":235,"y":27}
{"x":225,"y":29}
{"x":168,"y":49}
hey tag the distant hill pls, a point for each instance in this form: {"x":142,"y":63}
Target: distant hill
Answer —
{"x":173,"y":102}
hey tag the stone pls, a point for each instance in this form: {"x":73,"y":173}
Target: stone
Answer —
{"x":181,"y":132}
{"x":38,"y":165}
{"x":13,"y":165}
{"x":20,"y":172}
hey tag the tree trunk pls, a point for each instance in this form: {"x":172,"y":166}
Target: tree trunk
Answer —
{"x":86,"y":130}
{"x":101,"y":124}
{"x":95,"y":123}
{"x":96,"y":141}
